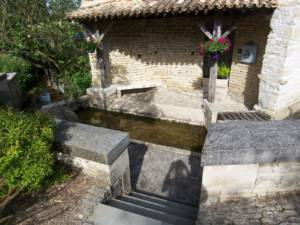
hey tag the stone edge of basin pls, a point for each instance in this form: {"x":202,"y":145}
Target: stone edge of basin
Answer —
{"x":248,"y":142}
{"x":89,"y":142}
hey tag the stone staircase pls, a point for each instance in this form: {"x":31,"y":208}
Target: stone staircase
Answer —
{"x":154,"y":209}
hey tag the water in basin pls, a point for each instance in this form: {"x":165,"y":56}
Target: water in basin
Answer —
{"x":156,"y":131}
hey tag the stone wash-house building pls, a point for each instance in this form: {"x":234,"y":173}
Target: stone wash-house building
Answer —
{"x":150,"y":43}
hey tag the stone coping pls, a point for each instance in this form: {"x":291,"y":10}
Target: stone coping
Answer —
{"x":247,"y":142}
{"x":90,"y":142}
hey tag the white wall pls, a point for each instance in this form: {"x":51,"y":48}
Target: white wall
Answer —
{"x":220,"y":183}
{"x":280,"y":77}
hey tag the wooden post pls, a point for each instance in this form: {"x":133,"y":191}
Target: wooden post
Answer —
{"x":217,"y":33}
{"x":94,"y":35}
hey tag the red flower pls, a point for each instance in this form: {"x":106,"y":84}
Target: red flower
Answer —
{"x":201,"y":50}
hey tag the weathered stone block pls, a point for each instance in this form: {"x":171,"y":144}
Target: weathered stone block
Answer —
{"x":89,"y":142}
{"x":223,"y":182}
{"x":99,"y":152}
{"x":247,"y":142}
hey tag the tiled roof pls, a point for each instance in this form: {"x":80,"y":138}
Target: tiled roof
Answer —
{"x":134,"y":8}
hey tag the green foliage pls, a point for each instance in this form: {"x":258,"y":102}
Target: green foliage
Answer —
{"x":78,"y":79}
{"x":220,"y":45}
{"x":58,"y":8}
{"x":60,"y":175}
{"x":10,"y":63}
{"x":47,"y":42}
{"x":25,"y":157}
{"x":224,"y":71}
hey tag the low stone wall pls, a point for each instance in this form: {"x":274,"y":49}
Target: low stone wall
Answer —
{"x":245,"y":158}
{"x":102,"y":98}
{"x":99,"y":152}
{"x":227,"y":182}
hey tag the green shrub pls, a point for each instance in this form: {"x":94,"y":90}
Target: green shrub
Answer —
{"x":77,"y":79}
{"x":25,"y":156}
{"x":10,"y":63}
{"x":224,"y":71}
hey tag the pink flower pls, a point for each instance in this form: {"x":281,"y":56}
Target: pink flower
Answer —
{"x":201,"y":50}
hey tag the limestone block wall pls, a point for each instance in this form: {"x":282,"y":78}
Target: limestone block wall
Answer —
{"x":221,"y":183}
{"x":280,"y":80}
{"x":164,"y":49}
{"x":254,"y":29}
{"x":167,"y":50}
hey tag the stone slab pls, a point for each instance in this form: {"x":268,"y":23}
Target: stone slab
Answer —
{"x":247,"y":142}
{"x":107,"y":215}
{"x":89,"y":142}
{"x":165,"y":171}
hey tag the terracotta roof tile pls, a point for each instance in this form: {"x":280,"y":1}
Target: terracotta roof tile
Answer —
{"x":133,"y":8}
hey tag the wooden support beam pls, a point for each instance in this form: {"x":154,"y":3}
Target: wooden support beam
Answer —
{"x":104,"y":32}
{"x":95,"y":35}
{"x":217,"y":33}
{"x":229,"y":31}
{"x":205,"y":31}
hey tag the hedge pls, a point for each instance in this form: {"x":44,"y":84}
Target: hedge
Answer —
{"x":25,"y":151}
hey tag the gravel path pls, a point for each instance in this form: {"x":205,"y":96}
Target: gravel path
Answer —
{"x":60,"y":205}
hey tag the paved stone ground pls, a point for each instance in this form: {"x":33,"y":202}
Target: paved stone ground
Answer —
{"x":166,"y":171}
{"x":282,"y":209}
{"x":171,"y":105}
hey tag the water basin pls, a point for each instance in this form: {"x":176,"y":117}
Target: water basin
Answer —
{"x":179,"y":135}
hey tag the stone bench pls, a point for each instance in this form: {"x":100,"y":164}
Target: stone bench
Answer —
{"x":246,"y":158}
{"x":137,"y":85}
{"x":99,"y":152}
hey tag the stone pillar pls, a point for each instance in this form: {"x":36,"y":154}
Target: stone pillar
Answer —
{"x":96,"y":70}
{"x":280,"y":76}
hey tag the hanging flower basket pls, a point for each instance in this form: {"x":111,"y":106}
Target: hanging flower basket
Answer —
{"x":216,"y":47}
{"x":220,"y":45}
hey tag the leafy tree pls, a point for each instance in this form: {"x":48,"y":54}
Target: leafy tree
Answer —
{"x":46,"y":40}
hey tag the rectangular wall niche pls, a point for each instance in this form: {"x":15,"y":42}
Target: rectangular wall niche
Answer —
{"x":248,"y":55}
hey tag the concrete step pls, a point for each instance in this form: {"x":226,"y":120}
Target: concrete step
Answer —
{"x":180,"y":210}
{"x":151,"y":213}
{"x":163,"y":201}
{"x":107,"y":215}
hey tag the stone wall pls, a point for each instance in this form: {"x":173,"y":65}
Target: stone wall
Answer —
{"x":163,"y":49}
{"x":254,"y":29}
{"x":167,"y":50}
{"x":221,"y":183}
{"x":280,"y":80}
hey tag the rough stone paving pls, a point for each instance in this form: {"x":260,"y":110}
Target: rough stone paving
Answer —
{"x":282,"y":209}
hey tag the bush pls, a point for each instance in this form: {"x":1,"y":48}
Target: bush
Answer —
{"x":224,"y":71}
{"x":25,"y":156}
{"x":10,"y":63}
{"x":77,"y":79}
